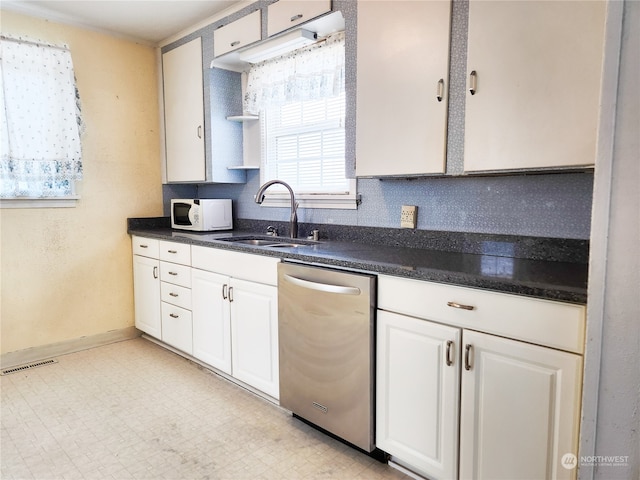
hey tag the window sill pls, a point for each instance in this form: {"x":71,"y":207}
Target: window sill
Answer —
{"x":343,"y":202}
{"x":63,"y":202}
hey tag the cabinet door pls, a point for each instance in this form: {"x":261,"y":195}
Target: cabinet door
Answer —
{"x":184,"y":112}
{"x":210,"y":313}
{"x":538,"y":72}
{"x":177,"y":329}
{"x":417,"y":392}
{"x":285,"y":14}
{"x":520,"y":409}
{"x":402,"y":82}
{"x":254,"y":333}
{"x":146,"y":293}
{"x":237,"y":34}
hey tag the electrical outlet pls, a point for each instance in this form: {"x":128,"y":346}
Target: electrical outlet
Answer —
{"x":409,"y":216}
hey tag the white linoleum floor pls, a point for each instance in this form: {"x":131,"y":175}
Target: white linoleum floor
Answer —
{"x":133,"y":410}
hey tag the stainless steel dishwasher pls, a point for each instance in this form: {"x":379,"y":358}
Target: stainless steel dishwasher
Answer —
{"x":326,"y":337}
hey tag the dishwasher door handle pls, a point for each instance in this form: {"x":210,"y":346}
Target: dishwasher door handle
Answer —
{"x":323,"y":287}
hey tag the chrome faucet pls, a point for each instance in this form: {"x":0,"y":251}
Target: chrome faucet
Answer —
{"x":293,"y":222}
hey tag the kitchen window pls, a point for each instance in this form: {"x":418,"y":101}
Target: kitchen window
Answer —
{"x":300,"y":98}
{"x":40,"y":125}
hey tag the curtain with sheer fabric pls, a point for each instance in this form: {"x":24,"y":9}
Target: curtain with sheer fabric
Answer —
{"x":40,"y":121}
{"x":310,"y":73}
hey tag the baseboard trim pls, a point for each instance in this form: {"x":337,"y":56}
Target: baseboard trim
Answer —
{"x":213,"y":370}
{"x":410,"y":473}
{"x":36,"y":354}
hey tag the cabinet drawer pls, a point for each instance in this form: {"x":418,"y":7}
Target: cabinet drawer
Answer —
{"x":147,"y":247}
{"x":286,"y":14}
{"x":175,"y":295}
{"x":237,"y":34}
{"x":177,"y":327}
{"x":244,"y":266}
{"x":175,"y":274}
{"x":553,"y":324}
{"x":175,"y":252}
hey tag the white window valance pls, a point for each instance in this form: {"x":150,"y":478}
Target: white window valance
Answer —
{"x":310,"y":73}
{"x":40,"y":121}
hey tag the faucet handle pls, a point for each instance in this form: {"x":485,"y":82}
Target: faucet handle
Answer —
{"x":272,"y":231}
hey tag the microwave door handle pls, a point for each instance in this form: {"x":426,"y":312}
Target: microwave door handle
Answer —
{"x":322,"y":287}
{"x":192,"y":214}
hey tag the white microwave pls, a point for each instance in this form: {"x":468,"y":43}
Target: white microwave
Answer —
{"x":201,"y":214}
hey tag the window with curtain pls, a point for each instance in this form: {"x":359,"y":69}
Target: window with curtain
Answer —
{"x":300,"y":98}
{"x":40,"y":122}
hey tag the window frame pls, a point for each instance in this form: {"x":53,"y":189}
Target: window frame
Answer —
{"x":279,"y":196}
{"x":71,"y":196}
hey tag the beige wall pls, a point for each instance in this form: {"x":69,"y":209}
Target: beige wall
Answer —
{"x":66,"y":272}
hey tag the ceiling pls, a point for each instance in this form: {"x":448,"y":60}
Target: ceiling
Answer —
{"x":148,"y":21}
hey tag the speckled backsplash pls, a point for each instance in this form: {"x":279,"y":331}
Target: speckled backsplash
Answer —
{"x":556,"y":205}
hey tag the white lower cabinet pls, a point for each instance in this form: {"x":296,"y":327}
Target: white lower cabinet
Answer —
{"x":512,"y":406}
{"x":520,"y":409}
{"x":254,"y":335}
{"x":176,"y":327}
{"x":146,"y":295}
{"x":417,"y":393}
{"x":162,"y":291}
{"x":175,"y":293}
{"x":211,"y":319}
{"x":235,"y":320}
{"x":218,"y":306}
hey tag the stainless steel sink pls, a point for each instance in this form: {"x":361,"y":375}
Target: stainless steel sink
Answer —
{"x":271,"y":242}
{"x":251,"y":241}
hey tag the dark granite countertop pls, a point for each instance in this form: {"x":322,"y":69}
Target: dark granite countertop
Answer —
{"x":522,"y":273}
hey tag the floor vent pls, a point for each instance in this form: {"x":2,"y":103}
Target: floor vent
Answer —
{"x":28,"y":366}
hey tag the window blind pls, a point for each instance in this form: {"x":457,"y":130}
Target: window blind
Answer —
{"x":304,"y":145}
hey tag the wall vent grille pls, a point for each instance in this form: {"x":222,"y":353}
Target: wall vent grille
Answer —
{"x":28,"y":366}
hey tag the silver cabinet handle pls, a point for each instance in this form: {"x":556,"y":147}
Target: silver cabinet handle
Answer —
{"x":173,"y":315}
{"x":199,"y":131}
{"x":231,"y":294}
{"x":224,"y":291}
{"x":143,"y":246}
{"x":467,"y":356}
{"x":440,"y":94}
{"x":448,"y":356}
{"x":155,"y":272}
{"x":323,"y":287}
{"x":473,"y":82}
{"x":173,"y":273}
{"x":460,"y":306}
{"x":296,"y":17}
{"x":172,"y":251}
{"x":171,"y":294}
{"x":234,"y":43}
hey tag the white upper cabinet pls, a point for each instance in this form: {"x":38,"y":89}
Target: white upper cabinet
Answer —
{"x":184,"y":112}
{"x":402,"y":87}
{"x":285,"y":14}
{"x":238,"y":34}
{"x":535,"y":69}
